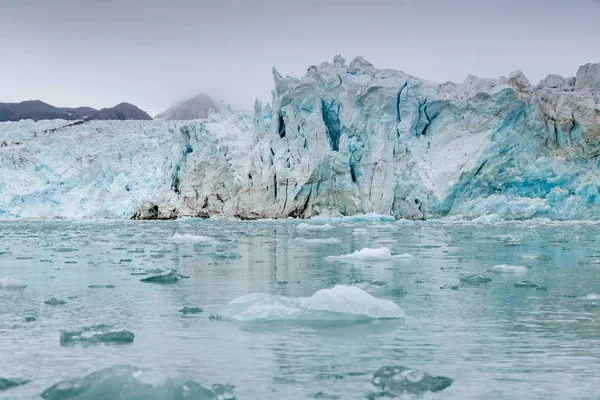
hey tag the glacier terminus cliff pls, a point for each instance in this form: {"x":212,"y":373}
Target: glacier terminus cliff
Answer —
{"x":345,"y":139}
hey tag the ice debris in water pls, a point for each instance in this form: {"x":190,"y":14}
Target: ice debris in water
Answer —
{"x":225,"y":256}
{"x":10,"y":283}
{"x":101,"y":286}
{"x":338,"y":303}
{"x":166,"y":279}
{"x":95,"y":335}
{"x":591,"y":296}
{"x":475,"y":279}
{"x":398,"y":380}
{"x":319,"y":241}
{"x":123,"y":382}
{"x":507,"y":269}
{"x":488,"y":219}
{"x":6,"y":384}
{"x":525,"y":284}
{"x":535,"y":257}
{"x":312,"y":227}
{"x":449,"y":287}
{"x":366,"y":254}
{"x":191,"y":310}
{"x":55,"y":302}
{"x":369,"y":217}
{"x":194,"y":238}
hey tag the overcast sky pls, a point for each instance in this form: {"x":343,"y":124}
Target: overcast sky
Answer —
{"x":155,"y":52}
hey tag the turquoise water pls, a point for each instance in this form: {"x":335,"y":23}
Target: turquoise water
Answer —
{"x":495,"y":340}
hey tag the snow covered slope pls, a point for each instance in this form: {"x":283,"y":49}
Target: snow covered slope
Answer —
{"x":343,"y":140}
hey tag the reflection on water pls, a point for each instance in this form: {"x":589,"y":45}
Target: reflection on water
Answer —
{"x":493,"y":340}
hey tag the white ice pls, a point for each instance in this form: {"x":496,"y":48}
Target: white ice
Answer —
{"x":508,"y":269}
{"x":338,"y":303}
{"x":366,"y":254}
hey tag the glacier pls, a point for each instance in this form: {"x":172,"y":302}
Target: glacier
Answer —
{"x":344,"y":140}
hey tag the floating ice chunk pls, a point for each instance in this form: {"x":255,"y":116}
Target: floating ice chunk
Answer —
{"x":534,"y":257}
{"x":101,"y":286}
{"x":132,"y":383}
{"x":366,"y":254}
{"x":370,"y":217}
{"x":191,"y":310}
{"x":225,"y":256}
{"x":449,"y":287}
{"x":488,"y":219}
{"x":338,"y":303}
{"x":194,"y":238}
{"x":162,"y":279}
{"x":591,"y":297}
{"x":319,"y":241}
{"x":475,"y":279}
{"x":508,"y":269}
{"x":10,"y":283}
{"x":6,"y":384}
{"x":525,"y":284}
{"x":312,"y":227}
{"x":399,"y":380}
{"x":55,"y":302}
{"x":96,"y":335}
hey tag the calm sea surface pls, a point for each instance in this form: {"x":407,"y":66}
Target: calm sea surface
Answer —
{"x":494,"y":340}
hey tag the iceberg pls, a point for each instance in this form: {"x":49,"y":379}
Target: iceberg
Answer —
{"x":343,"y":141}
{"x":10,"y":283}
{"x":6,"y":384}
{"x":366,"y":254}
{"x":96,"y":335}
{"x":313,"y":227}
{"x":398,"y":380}
{"x":338,"y":303}
{"x":507,"y":269}
{"x":194,"y":238}
{"x":132,"y":383}
{"x":319,"y":241}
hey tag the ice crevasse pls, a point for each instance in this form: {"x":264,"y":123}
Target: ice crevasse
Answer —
{"x":345,"y":139}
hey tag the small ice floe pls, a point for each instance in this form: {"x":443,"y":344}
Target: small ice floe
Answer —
{"x":101,"y":286}
{"x":225,"y":256}
{"x":475,"y":279}
{"x":525,"y":284}
{"x":191,"y":310}
{"x":194,"y":238}
{"x":508,"y":269}
{"x":366,"y":254}
{"x":128,"y":382}
{"x":590,"y":297}
{"x":95,"y":335}
{"x":338,"y":303}
{"x":6,"y":384}
{"x":312,"y":227}
{"x":10,"y":283}
{"x":399,"y":380}
{"x":166,"y":279}
{"x":319,"y":241}
{"x":535,"y":257}
{"x":55,"y":302}
{"x":488,"y":219}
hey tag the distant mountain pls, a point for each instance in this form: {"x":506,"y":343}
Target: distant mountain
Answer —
{"x":194,"y":108}
{"x":121,"y":112}
{"x":38,"y":110}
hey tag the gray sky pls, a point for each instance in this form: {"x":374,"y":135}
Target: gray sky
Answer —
{"x":153,"y":53}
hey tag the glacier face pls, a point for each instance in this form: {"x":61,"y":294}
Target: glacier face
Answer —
{"x":100,"y":169}
{"x":345,"y":139}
